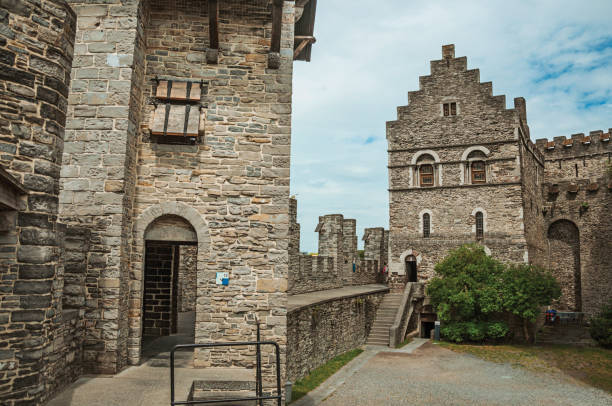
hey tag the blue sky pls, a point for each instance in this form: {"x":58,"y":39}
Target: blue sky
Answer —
{"x":369,"y":54}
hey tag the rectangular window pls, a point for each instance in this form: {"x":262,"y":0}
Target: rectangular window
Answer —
{"x":478,"y":172}
{"x":449,"y":109}
{"x":427,"y":175}
{"x":479,"y":226}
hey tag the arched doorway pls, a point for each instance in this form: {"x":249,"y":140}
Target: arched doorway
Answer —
{"x":411,"y":268}
{"x":564,"y":262}
{"x":170,"y":277}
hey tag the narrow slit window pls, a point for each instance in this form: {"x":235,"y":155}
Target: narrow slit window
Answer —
{"x":449,"y":109}
{"x":479,"y":226}
{"x":427,"y":175}
{"x":426,"y":225}
{"x":478,"y":172}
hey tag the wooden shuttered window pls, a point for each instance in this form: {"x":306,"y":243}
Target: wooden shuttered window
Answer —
{"x":426,"y":173}
{"x":477,"y":168}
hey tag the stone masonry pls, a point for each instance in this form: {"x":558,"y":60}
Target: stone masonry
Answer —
{"x":462,"y":169}
{"x":39,"y":339}
{"x":79,"y":94}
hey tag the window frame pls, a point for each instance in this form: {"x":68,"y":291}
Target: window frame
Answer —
{"x":479,"y":218}
{"x":473,"y":172}
{"x":449,"y":109}
{"x":427,"y":174}
{"x":426,"y":225}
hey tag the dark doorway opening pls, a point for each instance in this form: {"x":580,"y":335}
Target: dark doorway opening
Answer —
{"x":426,"y":329}
{"x":168,"y":305}
{"x":411,"y":268}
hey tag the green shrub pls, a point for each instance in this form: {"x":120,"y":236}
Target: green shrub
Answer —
{"x":497,"y":330}
{"x":476,"y":331}
{"x":473,"y":293}
{"x":601,"y":327}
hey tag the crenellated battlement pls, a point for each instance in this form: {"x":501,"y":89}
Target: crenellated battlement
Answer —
{"x":336,"y":265}
{"x":577,"y":145}
{"x":578,"y":189}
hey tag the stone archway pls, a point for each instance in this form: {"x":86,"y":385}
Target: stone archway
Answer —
{"x":142,"y":231}
{"x":564,"y":262}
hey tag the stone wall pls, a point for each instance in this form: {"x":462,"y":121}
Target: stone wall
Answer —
{"x":188,"y":278}
{"x":36,"y":51}
{"x":321,"y":331}
{"x":577,"y":201}
{"x":236,"y":179}
{"x":231,"y":186}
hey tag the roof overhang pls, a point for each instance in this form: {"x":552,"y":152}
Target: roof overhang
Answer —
{"x":305,"y":11}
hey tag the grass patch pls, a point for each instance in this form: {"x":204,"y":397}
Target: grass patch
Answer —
{"x":592,"y":366}
{"x":403,"y":343}
{"x":320,"y":374}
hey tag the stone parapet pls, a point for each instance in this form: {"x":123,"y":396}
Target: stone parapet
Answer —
{"x":322,"y":325}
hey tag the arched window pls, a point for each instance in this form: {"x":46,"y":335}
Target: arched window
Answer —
{"x":479,"y":225}
{"x":476,"y":167}
{"x":426,"y":225}
{"x":426,"y":173}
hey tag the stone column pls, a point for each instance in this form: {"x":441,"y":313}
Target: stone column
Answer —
{"x":97,"y":179}
{"x":349,"y":237}
{"x":331,"y":239}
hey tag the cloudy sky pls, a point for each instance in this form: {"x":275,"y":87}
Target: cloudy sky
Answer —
{"x":369,"y":54}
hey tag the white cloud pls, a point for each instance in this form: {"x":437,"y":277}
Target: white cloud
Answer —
{"x":368,"y":55}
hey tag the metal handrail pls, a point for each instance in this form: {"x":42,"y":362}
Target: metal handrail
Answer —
{"x":258,"y":384}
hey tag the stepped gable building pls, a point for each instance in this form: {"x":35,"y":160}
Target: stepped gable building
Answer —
{"x":462,"y":169}
{"x":144,"y":147}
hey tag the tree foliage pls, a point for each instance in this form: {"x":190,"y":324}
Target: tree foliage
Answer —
{"x":473,"y":294}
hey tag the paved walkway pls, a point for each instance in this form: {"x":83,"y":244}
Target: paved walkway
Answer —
{"x":322,"y":296}
{"x":149,"y":384}
{"x":431,"y":375}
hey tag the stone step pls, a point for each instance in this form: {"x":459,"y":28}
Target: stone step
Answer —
{"x":378,"y":342}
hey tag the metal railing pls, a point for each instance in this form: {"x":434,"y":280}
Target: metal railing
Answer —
{"x":259,"y":397}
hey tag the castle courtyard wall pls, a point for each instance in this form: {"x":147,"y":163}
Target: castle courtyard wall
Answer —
{"x":36,"y":332}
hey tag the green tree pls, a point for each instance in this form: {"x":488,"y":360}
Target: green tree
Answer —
{"x":473,"y":293}
{"x":466,"y":288}
{"x":524,"y":290}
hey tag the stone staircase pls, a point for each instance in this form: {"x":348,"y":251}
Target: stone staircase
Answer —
{"x":385,"y":316}
{"x":566,"y":334}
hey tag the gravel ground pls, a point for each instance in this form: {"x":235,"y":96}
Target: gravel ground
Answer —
{"x":436,"y":376}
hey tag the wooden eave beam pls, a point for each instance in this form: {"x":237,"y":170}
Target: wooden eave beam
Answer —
{"x":277,"y":25}
{"x":212,"y":53}
{"x":301,"y":3}
{"x":305,"y":41}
